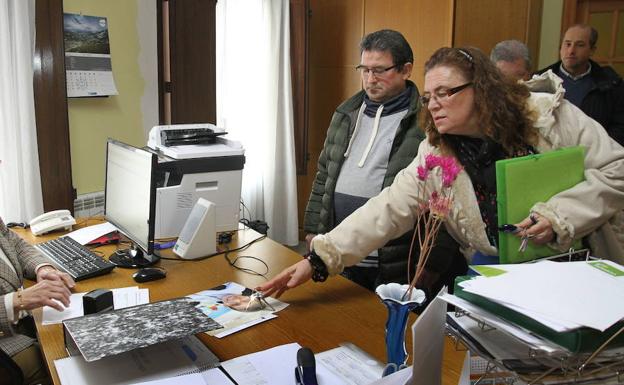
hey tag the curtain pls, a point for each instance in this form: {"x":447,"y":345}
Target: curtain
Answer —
{"x":254,"y":105}
{"x":20,"y":183}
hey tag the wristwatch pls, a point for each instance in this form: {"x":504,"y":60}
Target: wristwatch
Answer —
{"x":319,"y":269}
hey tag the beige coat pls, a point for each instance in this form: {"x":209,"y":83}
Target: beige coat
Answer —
{"x":24,"y":259}
{"x":593,"y":207}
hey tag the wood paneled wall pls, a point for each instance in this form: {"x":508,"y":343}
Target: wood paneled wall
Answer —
{"x":484,"y":23}
{"x":427,"y":26}
{"x":336,"y":28}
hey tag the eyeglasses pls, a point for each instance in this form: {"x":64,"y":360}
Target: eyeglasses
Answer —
{"x":443,"y":94}
{"x":377,"y":72}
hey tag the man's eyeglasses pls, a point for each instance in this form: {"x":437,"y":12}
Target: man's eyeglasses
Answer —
{"x":443,"y":93}
{"x":365,"y":71}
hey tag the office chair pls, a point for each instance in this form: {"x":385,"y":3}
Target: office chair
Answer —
{"x":10,"y":373}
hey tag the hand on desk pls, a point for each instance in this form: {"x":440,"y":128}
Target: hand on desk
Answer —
{"x":43,"y":293}
{"x":537,"y":228}
{"x":292,"y":276}
{"x":51,"y":274}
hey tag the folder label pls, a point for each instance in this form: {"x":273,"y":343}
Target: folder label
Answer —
{"x":607,"y":268}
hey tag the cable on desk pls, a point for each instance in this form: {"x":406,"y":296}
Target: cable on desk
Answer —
{"x":165,"y":245}
{"x":218,"y":252}
{"x":245,"y":208}
{"x":244,"y":269}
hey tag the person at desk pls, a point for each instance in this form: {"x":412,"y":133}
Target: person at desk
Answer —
{"x":19,"y":260}
{"x":478,"y":116}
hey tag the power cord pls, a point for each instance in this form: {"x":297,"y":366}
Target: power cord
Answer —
{"x":260,"y":226}
{"x":218,"y":252}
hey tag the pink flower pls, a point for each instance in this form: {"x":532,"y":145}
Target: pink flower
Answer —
{"x":422,"y":172}
{"x":450,"y":170}
{"x":440,"y":206}
{"x":432,"y":161}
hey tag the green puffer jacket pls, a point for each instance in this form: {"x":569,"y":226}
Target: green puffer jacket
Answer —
{"x":319,"y":213}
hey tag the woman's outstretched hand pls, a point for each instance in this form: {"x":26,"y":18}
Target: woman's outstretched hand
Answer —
{"x":292,"y":276}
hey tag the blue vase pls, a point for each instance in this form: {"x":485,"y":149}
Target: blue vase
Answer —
{"x":391,"y":295}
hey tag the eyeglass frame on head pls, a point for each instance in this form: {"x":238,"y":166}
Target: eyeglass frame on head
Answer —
{"x":443,"y":94}
{"x":377,"y":72}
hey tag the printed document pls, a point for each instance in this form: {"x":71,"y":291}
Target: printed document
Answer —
{"x":122,"y":297}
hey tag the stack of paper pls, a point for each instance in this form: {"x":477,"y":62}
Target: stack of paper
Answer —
{"x":544,"y":318}
{"x":562,"y":296}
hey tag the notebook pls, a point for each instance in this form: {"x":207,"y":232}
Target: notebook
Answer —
{"x":522,"y":182}
{"x":167,"y":359}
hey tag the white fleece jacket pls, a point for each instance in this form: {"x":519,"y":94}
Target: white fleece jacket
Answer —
{"x":593,"y":207}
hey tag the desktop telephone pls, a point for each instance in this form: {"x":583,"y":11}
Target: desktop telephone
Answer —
{"x":52,"y":220}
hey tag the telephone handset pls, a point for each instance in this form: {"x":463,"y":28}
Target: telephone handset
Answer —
{"x":51,"y":221}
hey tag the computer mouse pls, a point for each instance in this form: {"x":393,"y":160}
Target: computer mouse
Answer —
{"x":149,"y":274}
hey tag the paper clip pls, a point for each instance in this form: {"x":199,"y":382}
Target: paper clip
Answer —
{"x":258,"y":296}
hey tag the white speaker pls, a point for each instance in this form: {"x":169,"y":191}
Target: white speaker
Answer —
{"x":198,"y":236}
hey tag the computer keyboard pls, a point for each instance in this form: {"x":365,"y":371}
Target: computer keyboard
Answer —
{"x":74,"y":258}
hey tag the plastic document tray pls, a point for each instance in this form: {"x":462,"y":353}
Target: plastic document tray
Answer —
{"x":583,"y":340}
{"x":522,"y":182}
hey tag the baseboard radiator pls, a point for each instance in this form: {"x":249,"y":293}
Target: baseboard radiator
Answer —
{"x":87,"y":205}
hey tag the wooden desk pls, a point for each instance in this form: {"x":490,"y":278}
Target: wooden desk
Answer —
{"x":320,"y":316}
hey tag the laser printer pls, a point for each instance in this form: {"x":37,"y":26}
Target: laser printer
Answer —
{"x":195,"y":161}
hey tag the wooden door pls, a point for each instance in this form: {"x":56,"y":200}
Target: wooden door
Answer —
{"x":187,"y":61}
{"x":51,"y":107}
{"x":484,"y":23}
{"x":607,"y":17}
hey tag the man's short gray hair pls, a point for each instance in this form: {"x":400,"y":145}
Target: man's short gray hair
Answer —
{"x":510,"y":51}
{"x":387,"y":40}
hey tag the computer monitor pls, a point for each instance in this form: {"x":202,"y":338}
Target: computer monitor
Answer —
{"x":130,"y":201}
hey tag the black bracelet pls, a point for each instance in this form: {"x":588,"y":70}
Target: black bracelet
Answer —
{"x":319,"y":269}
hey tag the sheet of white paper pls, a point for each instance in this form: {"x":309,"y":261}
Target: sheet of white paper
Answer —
{"x":122,"y":297}
{"x":209,"y":377}
{"x":494,"y":321}
{"x":89,"y":233}
{"x":498,"y":343}
{"x":245,"y":325}
{"x":554,"y":290}
{"x":402,"y":377}
{"x":275,"y":366}
{"x":554,"y":324}
{"x":428,"y":340}
{"x":347,"y":365}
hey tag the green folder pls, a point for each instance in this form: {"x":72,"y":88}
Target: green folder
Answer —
{"x":522,"y":182}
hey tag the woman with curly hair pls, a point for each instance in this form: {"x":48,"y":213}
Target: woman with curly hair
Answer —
{"x":474,"y":114}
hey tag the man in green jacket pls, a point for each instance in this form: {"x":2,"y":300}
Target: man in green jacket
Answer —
{"x":372,"y":136}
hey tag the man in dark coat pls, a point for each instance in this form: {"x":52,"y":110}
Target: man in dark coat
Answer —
{"x":597,"y":90}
